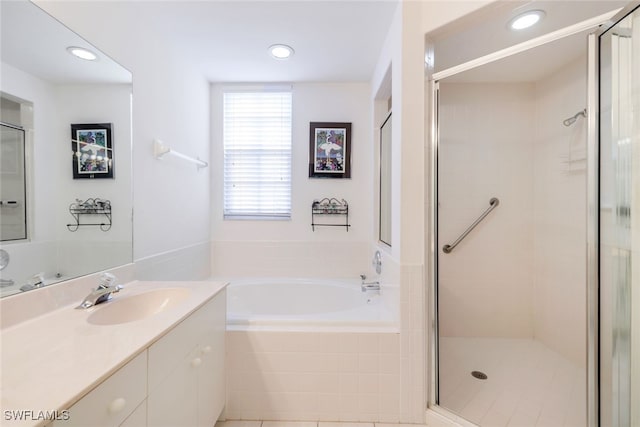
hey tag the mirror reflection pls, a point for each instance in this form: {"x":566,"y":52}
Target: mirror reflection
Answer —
{"x":65,"y":154}
{"x":385,"y":181}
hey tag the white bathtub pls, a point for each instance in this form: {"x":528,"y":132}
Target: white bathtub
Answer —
{"x":320,"y":305}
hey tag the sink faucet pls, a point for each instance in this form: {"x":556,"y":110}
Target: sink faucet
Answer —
{"x":368,"y":286}
{"x":102,"y":293}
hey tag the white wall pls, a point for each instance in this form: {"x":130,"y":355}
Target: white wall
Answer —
{"x":560,"y":213}
{"x":485,"y":151}
{"x":292,"y":248}
{"x":170,"y":102}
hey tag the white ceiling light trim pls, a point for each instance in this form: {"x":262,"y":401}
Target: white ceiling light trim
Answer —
{"x":281,"y":51}
{"x":526,"y":19}
{"x":82,"y":53}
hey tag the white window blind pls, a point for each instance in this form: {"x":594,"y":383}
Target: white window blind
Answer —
{"x":257,"y":154}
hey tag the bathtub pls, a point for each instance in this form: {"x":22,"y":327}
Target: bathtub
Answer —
{"x":311,"y":350}
{"x":320,"y":305}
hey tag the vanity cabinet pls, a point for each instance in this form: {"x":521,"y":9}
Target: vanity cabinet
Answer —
{"x":186,"y":379}
{"x":177,"y":381}
{"x":138,"y":418}
{"x":114,"y":400}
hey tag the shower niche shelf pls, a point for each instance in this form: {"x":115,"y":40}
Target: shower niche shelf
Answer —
{"x":96,"y":209}
{"x":330,"y":208}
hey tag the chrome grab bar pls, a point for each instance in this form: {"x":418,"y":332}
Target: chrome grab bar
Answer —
{"x":492,"y":204}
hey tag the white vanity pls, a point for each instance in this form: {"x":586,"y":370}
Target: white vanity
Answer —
{"x":152,"y":356}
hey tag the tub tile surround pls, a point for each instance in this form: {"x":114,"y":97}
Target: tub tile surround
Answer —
{"x":310,"y":377}
{"x":336,"y":375}
{"x":291,"y":259}
{"x":412,"y":344}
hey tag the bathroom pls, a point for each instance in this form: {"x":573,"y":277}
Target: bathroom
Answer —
{"x":182,"y":235}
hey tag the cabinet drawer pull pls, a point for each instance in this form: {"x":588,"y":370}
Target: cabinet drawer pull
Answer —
{"x":117,"y":405}
{"x":207,"y":349}
{"x":196,"y":362}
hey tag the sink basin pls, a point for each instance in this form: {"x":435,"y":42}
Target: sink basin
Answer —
{"x":124,"y":309}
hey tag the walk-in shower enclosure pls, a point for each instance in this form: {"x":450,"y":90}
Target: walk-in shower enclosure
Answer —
{"x":535,"y":179}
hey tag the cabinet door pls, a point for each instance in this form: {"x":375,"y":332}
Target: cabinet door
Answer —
{"x":173,"y":402}
{"x":109,"y":404}
{"x":138,"y":418}
{"x":211,"y":380}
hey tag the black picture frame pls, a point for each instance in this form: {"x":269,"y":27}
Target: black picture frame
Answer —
{"x":92,"y":147}
{"x":329,"y":150}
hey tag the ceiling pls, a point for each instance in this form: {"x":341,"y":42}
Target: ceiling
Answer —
{"x":486,"y":32}
{"x":228,"y":40}
{"x":335,"y":40}
{"x":42,"y":53}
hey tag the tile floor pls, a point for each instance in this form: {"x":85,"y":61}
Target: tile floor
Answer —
{"x":528,"y":384}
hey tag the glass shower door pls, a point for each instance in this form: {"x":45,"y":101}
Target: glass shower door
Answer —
{"x":13,"y":212}
{"x":511,"y":245}
{"x":619,"y":217}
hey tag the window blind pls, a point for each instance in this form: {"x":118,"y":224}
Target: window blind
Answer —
{"x":257,"y":154}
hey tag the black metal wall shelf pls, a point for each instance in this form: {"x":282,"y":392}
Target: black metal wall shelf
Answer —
{"x":91,"y":206}
{"x":329,"y":207}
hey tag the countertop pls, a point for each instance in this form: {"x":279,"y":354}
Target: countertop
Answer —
{"x":50,"y":362}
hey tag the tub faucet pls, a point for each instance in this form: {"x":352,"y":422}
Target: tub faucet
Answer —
{"x":368,"y":286}
{"x":102,"y":293}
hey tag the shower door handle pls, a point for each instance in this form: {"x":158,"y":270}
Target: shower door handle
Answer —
{"x":492,"y":205}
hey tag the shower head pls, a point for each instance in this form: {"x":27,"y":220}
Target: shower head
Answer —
{"x":572,"y":120}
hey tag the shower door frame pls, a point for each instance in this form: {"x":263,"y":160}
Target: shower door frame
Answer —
{"x":598,"y":24}
{"x":594,"y":206}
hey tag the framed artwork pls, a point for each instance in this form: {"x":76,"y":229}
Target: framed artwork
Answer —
{"x":92,"y":151}
{"x":329,"y":150}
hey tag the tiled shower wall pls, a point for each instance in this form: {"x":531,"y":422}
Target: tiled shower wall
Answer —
{"x":313,"y":376}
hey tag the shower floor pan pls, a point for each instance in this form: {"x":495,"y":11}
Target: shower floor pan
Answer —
{"x":527,"y":384}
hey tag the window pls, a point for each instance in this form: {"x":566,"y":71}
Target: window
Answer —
{"x":257,"y":154}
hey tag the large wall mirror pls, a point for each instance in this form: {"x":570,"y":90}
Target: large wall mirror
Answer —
{"x":65,"y":154}
{"x":385,"y":181}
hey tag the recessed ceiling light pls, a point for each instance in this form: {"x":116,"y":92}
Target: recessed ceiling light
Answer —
{"x":526,"y":19}
{"x":82,"y":53}
{"x":281,"y":51}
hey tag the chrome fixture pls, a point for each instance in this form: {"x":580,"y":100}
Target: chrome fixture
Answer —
{"x":368,"y":286}
{"x":103,"y":292}
{"x":36,"y":281}
{"x":377,"y":262}
{"x":572,"y":120}
{"x":492,"y":204}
